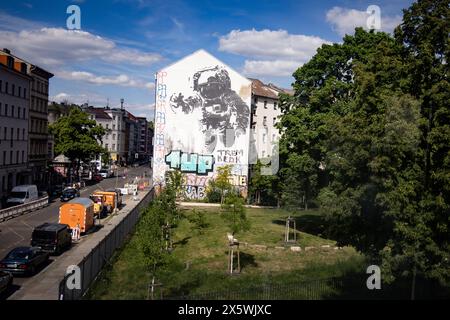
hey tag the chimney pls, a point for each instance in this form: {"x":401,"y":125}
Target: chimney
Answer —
{"x":5,"y":50}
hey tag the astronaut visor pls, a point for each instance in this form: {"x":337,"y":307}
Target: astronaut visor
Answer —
{"x":211,"y":89}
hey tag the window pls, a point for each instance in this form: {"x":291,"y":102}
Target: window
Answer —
{"x":24,"y":113}
{"x":265,"y":104}
{"x":1,"y":85}
{"x":114,"y":127}
{"x":114,"y":137}
{"x":18,"y":112}
{"x":274,"y":106}
{"x":32,"y":126}
{"x":274,"y":120}
{"x":23,"y":134}
{"x":114,"y":118}
{"x":23,"y":156}
{"x":18,"y":138}
{"x":11,"y":157}
{"x":265,"y":121}
{"x":113,"y":147}
{"x":13,"y":89}
{"x":256,"y":100}
{"x":107,"y":146}
{"x":6,"y":109}
{"x":6,"y":87}
{"x":107,"y":126}
{"x":4,"y":159}
{"x":17,"y":156}
{"x":263,"y":154}
{"x":3,"y":178}
{"x":20,"y":91}
{"x":12,"y":111}
{"x":24,"y":93}
{"x":264,"y":138}
{"x":5,"y":134}
{"x":273,"y":137}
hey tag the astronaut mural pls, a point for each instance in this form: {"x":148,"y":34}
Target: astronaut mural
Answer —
{"x":202,"y":121}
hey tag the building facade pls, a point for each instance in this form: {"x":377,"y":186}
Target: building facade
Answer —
{"x":38,"y":126}
{"x":264,"y":115}
{"x":202,"y":122}
{"x":15,"y":84}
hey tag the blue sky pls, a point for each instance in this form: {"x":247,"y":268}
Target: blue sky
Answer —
{"x":122,"y":43}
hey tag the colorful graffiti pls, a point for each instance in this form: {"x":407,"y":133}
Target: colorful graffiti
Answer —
{"x":190,"y":162}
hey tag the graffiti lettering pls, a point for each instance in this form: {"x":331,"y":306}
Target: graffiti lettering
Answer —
{"x":229,"y":156}
{"x":200,"y":164}
{"x":194,"y":192}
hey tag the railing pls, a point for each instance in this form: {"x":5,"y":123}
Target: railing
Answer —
{"x":93,"y":263}
{"x":20,"y":209}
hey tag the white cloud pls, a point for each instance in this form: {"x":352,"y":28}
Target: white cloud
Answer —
{"x":272,"y":52}
{"x":50,"y":47}
{"x":262,"y":68}
{"x":120,"y":80}
{"x":345,"y":20}
{"x":276,"y":44}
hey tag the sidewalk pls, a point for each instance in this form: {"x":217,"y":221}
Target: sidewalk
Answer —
{"x":45,"y":285}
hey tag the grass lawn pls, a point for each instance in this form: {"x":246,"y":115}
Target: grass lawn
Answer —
{"x":198,"y":262}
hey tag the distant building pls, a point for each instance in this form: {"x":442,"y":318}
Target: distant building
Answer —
{"x":143,"y":144}
{"x":264,"y":115}
{"x":15,"y":84}
{"x":131,"y":137}
{"x":38,"y":126}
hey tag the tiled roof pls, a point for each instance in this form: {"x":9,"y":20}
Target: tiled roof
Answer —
{"x":98,"y":112}
{"x":267,"y":90}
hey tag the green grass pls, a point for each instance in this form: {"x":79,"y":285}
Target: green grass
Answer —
{"x":198,"y":262}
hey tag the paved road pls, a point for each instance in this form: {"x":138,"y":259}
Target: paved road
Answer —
{"x":17,"y":231}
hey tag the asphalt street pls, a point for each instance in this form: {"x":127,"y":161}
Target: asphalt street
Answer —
{"x":17,"y":231}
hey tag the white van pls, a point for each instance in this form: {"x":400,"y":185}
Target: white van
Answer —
{"x":22,"y":194}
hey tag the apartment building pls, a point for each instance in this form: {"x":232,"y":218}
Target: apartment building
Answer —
{"x":38,"y":126}
{"x":15,"y":84}
{"x":264,"y":114}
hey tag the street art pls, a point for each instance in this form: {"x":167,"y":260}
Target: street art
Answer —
{"x":202,"y":122}
{"x":190,"y":162}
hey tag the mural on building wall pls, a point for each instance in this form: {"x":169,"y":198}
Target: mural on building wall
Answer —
{"x":202,"y":121}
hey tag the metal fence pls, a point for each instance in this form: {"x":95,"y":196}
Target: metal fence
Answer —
{"x":93,"y":263}
{"x":320,"y":289}
{"x":20,"y":209}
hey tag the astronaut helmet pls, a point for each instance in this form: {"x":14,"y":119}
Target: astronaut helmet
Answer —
{"x":212,"y":82}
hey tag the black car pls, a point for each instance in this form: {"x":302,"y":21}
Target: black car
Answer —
{"x":24,"y":260}
{"x":69,"y":194}
{"x":52,"y":237}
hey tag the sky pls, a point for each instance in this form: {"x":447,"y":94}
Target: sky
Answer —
{"x":121,"y":44}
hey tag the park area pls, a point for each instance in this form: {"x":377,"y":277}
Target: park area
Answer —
{"x":197,"y":268}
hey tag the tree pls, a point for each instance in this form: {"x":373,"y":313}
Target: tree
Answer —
{"x":372,"y":137}
{"x":322,"y":88}
{"x":77,"y":137}
{"x":264,"y":188}
{"x":234,"y":213}
{"x":222,"y":181}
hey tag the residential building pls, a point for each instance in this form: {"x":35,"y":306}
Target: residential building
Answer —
{"x":103,"y":119}
{"x":143,"y":139}
{"x":117,"y":134}
{"x":131,"y":137}
{"x":38,"y":126}
{"x":265,"y":112}
{"x":15,"y":83}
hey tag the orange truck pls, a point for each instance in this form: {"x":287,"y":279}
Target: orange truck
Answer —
{"x":110,"y":199}
{"x":78,"y":212}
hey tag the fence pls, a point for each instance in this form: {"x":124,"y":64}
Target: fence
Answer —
{"x":93,"y":263}
{"x":23,"y":208}
{"x":321,"y":289}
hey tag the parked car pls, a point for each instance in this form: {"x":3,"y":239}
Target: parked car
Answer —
{"x":97,"y":177}
{"x":69,"y":194}
{"x":105,"y":173}
{"x":6,"y":281}
{"x":52,"y":237}
{"x":24,"y":260}
{"x":56,"y":190}
{"x":22,"y":194}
